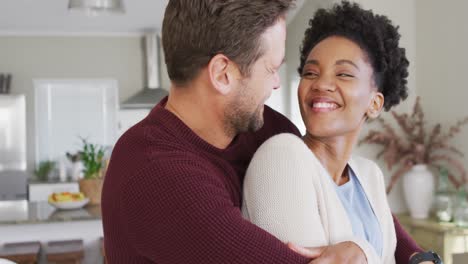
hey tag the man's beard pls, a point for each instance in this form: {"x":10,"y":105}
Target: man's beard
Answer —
{"x":238,"y":117}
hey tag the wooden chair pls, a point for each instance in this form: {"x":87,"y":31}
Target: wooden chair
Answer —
{"x":22,"y":252}
{"x":65,"y":252}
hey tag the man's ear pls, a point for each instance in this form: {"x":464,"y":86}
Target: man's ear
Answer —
{"x":222,"y":72}
{"x":376,"y":105}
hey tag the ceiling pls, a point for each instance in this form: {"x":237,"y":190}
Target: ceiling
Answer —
{"x":51,"y":17}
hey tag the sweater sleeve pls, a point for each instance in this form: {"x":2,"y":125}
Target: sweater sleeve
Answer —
{"x":177,"y":211}
{"x":406,"y":246}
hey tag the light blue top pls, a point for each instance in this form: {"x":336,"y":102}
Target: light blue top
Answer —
{"x":362,"y":217}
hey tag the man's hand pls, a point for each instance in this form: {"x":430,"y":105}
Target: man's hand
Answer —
{"x":344,"y":252}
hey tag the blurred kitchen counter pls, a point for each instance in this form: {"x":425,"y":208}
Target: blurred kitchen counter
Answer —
{"x":39,"y":221}
{"x":25,"y":212}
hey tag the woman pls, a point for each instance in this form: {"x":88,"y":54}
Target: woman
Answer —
{"x":313,"y":191}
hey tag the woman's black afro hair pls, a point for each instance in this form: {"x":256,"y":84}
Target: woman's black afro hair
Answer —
{"x":375,"y":34}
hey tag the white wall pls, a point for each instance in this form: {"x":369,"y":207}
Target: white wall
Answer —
{"x":295,"y":34}
{"x":442,"y":55}
{"x":402,"y":13}
{"x":278,"y":99}
{"x":71,"y":57}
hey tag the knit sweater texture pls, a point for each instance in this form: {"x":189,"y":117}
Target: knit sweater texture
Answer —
{"x":170,"y":197}
{"x":290,"y":194}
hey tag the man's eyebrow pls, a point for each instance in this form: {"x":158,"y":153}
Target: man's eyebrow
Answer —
{"x":275,"y":67}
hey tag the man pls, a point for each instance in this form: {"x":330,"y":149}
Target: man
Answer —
{"x":173,"y":189}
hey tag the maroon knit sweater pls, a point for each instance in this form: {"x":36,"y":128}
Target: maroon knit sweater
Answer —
{"x":170,"y":197}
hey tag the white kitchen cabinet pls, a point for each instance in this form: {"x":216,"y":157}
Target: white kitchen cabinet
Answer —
{"x":128,"y":118}
{"x":67,"y":110}
{"x":41,"y":191}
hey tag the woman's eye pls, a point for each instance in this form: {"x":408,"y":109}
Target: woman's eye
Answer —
{"x":345,"y":75}
{"x":309,"y":74}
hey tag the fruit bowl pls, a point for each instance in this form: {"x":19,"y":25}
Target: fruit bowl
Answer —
{"x":70,"y":204}
{"x":67,"y":200}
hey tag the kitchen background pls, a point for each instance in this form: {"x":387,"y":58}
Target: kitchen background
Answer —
{"x":44,"y":47}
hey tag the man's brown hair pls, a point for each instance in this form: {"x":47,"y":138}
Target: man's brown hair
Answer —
{"x":194,"y":31}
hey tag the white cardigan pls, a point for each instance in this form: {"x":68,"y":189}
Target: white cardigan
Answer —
{"x":286,"y":192}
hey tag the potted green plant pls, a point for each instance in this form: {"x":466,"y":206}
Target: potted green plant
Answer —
{"x":92,"y":156}
{"x":44,"y":170}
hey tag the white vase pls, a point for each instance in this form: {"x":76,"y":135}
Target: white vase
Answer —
{"x":418,"y":187}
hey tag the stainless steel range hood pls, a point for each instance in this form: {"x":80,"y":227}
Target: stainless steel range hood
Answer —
{"x":149,"y":96}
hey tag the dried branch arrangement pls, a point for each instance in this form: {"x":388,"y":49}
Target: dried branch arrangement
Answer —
{"x":417,"y":146}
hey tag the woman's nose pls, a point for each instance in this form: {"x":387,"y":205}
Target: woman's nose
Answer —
{"x":324,"y":83}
